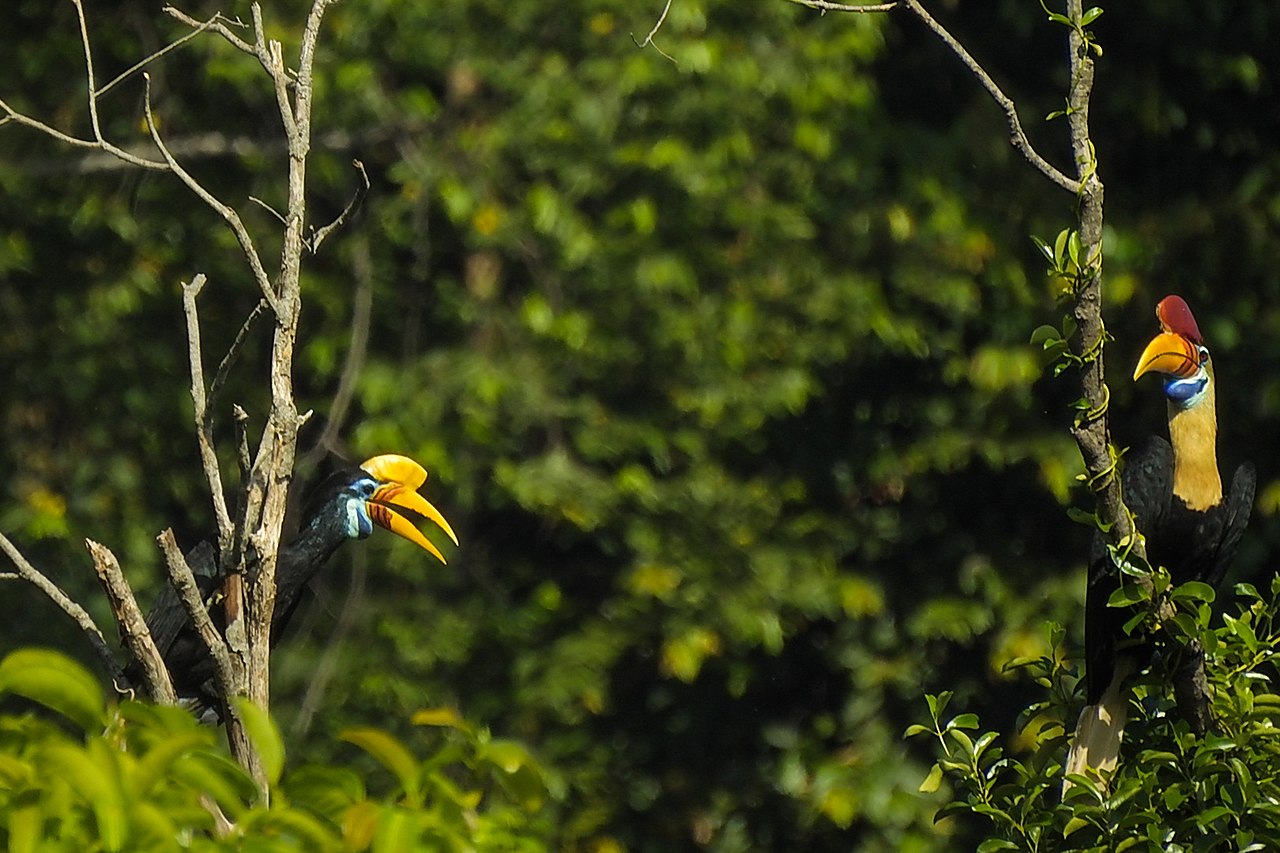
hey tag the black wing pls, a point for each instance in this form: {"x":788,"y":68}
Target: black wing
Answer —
{"x":171,"y":629}
{"x":1236,"y":510}
{"x":1147,"y":482}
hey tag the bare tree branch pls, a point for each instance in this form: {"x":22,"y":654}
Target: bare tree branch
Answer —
{"x":1017,"y":136}
{"x":184,"y":583}
{"x":167,"y":49}
{"x":203,"y":420}
{"x":133,"y":626}
{"x":319,"y":236}
{"x":826,"y":6}
{"x":68,"y":606}
{"x":220,"y":25}
{"x":233,"y":352}
{"x":648,"y":40}
{"x":227,"y":213}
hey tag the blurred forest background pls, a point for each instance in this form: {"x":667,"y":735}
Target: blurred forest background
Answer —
{"x":720,"y":366}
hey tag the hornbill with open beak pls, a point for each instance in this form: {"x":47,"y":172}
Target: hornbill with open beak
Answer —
{"x":1175,"y":493}
{"x":346,"y":505}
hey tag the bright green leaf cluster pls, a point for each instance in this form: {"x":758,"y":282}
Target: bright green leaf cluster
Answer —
{"x":1173,"y":789}
{"x":139,"y":777}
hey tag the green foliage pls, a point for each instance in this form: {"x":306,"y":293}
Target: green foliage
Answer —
{"x":720,"y":369}
{"x":1173,"y":790}
{"x":139,"y":777}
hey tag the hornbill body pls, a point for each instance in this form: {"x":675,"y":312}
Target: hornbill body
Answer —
{"x":1174,"y":490}
{"x":345,"y":505}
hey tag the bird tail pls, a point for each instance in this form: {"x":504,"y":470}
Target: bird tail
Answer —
{"x":1095,"y":747}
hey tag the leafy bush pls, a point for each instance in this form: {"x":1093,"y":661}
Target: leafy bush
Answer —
{"x":142,"y":777}
{"x":1173,"y":790}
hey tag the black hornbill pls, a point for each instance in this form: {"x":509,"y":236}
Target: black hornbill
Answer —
{"x":1175,"y":493}
{"x":345,"y":505}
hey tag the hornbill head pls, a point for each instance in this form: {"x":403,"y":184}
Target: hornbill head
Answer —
{"x":1178,"y":353}
{"x":384,"y":492}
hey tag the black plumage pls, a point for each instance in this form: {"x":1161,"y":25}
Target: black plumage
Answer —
{"x":345,"y":505}
{"x":1191,"y":528}
{"x":1192,"y":545}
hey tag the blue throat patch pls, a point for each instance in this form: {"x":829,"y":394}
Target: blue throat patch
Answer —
{"x":359,"y":524}
{"x":1185,"y":391}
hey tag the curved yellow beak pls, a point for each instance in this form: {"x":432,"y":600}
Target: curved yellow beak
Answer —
{"x":403,"y":476}
{"x":1170,"y":354}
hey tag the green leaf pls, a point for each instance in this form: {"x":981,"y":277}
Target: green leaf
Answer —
{"x":26,"y":825}
{"x":993,"y":844}
{"x":397,"y":831}
{"x":1248,"y":590}
{"x":1060,"y":244}
{"x":1090,"y":15}
{"x":444,"y":717}
{"x":1193,"y":591}
{"x":1047,"y":251}
{"x":1046,"y":336}
{"x":507,"y":755}
{"x":1212,"y":815}
{"x":931,"y":782}
{"x":1080,"y":516}
{"x":391,"y":754}
{"x":937,"y":704}
{"x":92,"y":773}
{"x":1128,"y":594}
{"x":57,"y":682}
{"x":158,"y":760}
{"x":265,"y":736}
{"x":963,"y":721}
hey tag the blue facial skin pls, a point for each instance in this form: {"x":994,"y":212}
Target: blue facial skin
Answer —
{"x":359,"y":524}
{"x":1186,"y":392}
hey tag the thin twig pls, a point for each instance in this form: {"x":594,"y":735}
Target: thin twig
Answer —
{"x":268,"y":208}
{"x":219,"y":26}
{"x":241,"y":420}
{"x":203,"y":422}
{"x":133,"y":626}
{"x":319,"y":236}
{"x":228,"y":214}
{"x":233,"y":352}
{"x":88,"y":65}
{"x":1017,"y":136}
{"x":143,"y":63}
{"x":67,"y":605}
{"x":825,"y":6}
{"x":273,"y":61}
{"x":12,"y":115}
{"x":648,"y":40}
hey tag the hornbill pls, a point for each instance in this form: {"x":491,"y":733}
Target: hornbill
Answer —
{"x":345,"y":505}
{"x":1175,"y":493}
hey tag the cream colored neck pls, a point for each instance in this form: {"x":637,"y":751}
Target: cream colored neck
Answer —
{"x":1193,"y":432}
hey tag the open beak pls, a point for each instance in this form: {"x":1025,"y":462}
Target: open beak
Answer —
{"x":1170,"y":354}
{"x":397,"y":496}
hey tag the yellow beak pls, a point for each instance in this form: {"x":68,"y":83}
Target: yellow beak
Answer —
{"x":403,"y":477}
{"x":1170,"y":354}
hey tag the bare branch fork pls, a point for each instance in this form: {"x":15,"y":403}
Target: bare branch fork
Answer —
{"x":249,"y":540}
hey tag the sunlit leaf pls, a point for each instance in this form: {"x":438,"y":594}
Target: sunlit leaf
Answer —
{"x":57,"y":682}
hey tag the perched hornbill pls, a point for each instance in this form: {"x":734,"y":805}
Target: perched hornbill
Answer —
{"x":345,"y":505}
{"x":1175,"y":493}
